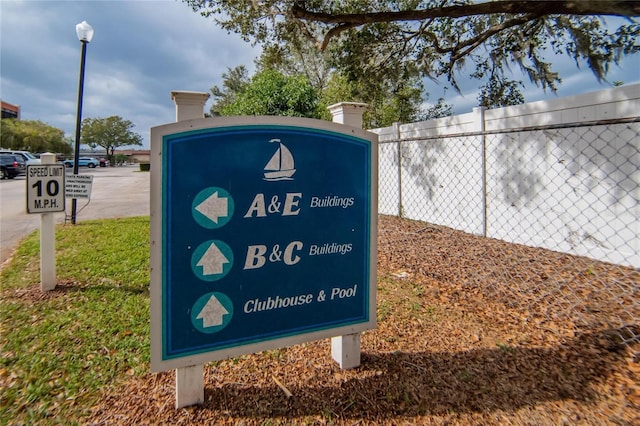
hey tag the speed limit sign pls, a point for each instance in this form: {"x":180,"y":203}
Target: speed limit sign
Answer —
{"x":45,"y":188}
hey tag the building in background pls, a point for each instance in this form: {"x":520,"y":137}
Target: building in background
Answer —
{"x":10,"y":110}
{"x":125,"y":155}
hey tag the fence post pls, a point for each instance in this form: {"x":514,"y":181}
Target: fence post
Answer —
{"x":189,"y":380}
{"x":345,"y":350}
{"x":396,"y":135}
{"x":479,"y":112}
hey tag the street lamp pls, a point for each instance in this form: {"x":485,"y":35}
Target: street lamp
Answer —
{"x":85,"y":34}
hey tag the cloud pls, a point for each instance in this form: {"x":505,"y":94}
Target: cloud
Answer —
{"x":143,"y":50}
{"x":140,"y":52}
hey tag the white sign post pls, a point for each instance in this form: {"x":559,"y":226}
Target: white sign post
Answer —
{"x":45,"y":195}
{"x":189,"y":380}
{"x":345,"y":349}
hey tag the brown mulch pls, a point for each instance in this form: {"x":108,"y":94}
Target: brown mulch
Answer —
{"x":470,"y":331}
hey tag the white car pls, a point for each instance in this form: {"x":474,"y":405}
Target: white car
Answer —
{"x":28,"y":157}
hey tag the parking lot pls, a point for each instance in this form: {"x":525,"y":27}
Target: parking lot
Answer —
{"x":116,"y":192}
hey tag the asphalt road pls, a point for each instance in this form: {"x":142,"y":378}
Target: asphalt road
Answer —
{"x":116,"y":192}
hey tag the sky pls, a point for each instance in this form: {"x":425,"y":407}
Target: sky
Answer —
{"x":144,"y":49}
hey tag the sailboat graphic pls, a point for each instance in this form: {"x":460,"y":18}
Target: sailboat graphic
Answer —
{"x":280,"y":167}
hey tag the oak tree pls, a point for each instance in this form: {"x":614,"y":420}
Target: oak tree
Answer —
{"x":34,"y":136}
{"x":374,"y":40}
{"x":109,"y":133}
{"x":234,"y":83}
{"x":271,"y":93}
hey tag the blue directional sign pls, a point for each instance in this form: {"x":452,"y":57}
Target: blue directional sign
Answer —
{"x":263,"y":235}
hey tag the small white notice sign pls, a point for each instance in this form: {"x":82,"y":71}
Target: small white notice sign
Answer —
{"x":78,"y":186}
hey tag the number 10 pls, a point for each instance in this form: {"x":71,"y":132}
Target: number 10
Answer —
{"x":53,"y":187}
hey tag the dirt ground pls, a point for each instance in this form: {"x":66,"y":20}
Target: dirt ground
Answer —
{"x":470,"y":331}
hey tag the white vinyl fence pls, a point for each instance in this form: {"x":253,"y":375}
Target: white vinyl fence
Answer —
{"x":558,"y":181}
{"x":562,"y":175}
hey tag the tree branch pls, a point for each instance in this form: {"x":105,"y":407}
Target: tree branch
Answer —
{"x":333,"y":32}
{"x":469,"y":45}
{"x":544,"y":7}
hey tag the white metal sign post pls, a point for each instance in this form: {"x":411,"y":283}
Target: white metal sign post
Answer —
{"x":45,"y":195}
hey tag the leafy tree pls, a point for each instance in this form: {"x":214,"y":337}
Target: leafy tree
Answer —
{"x":109,"y":133}
{"x":234,"y":82}
{"x":338,"y":89}
{"x":390,"y":99}
{"x":120,"y":158}
{"x":33,"y":136}
{"x":298,"y":56}
{"x":272,"y":93}
{"x":381,"y":40}
{"x":439,"y":110}
{"x":500,"y":93}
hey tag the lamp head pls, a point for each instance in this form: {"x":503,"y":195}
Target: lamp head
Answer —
{"x":84,"y":31}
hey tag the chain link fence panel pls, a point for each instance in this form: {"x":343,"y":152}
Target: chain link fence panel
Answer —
{"x":550,"y":218}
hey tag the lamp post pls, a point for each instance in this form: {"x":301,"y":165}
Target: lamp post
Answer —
{"x":85,"y":34}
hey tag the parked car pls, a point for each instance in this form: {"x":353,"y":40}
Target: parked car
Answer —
{"x":11,"y":166}
{"x":82,"y":162}
{"x":26,"y":156}
{"x":104,"y":162}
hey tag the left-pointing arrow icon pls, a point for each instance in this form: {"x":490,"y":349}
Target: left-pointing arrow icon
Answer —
{"x":212,"y":313}
{"x":212,"y":261}
{"x":214,"y":207}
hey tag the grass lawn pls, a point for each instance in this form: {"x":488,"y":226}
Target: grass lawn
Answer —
{"x":453,"y":343}
{"x":60,"y":349}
